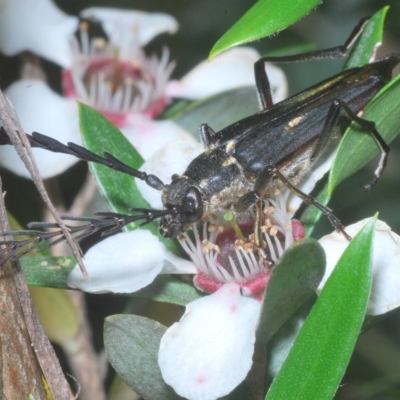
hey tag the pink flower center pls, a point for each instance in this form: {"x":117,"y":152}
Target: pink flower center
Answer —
{"x":117,"y":87}
{"x":221,"y":256}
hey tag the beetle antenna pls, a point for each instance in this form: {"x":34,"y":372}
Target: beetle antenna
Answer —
{"x":35,"y":239}
{"x":45,"y":142}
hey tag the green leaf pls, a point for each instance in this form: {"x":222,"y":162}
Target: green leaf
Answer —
{"x":371,"y":37}
{"x":294,"y":279}
{"x":264,"y":18}
{"x":131,"y":343}
{"x":312,"y":214}
{"x":58,"y":316}
{"x":357,"y":147}
{"x":320,"y":354}
{"x":120,"y":190}
{"x":47,"y":271}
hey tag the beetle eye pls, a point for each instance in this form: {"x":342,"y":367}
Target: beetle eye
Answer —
{"x":192,"y":206}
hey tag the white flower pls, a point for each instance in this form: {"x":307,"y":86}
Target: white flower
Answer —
{"x":385,"y":290}
{"x":113,"y":76}
{"x":209,"y":352}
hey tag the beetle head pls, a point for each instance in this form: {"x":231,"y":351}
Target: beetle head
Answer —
{"x":184,"y":201}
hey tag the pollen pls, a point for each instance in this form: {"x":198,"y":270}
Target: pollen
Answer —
{"x":222,"y":256}
{"x":212,"y":228}
{"x":273,"y":231}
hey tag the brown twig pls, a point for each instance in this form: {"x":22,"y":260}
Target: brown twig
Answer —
{"x":22,"y":146}
{"x":26,"y":353}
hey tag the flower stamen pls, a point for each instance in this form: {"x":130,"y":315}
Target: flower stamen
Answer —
{"x":226,"y":251}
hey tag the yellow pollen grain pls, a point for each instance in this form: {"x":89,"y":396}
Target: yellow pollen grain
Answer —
{"x":273,"y":231}
{"x":269,"y":223}
{"x":268,"y":212}
{"x":221,"y":228}
{"x":211,"y":246}
{"x":212,"y":228}
{"x":239,"y":244}
{"x":276,"y":192}
{"x":264,"y":228}
{"x":248,"y":247}
{"x":135,"y":64}
{"x":99,"y":43}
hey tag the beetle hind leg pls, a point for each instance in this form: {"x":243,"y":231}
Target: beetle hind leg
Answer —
{"x":370,"y":128}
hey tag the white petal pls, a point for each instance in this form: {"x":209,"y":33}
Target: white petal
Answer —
{"x":148,"y":136}
{"x":124,"y":263}
{"x":120,"y":23}
{"x":171,"y":159}
{"x":42,"y":110}
{"x":385,"y":291}
{"x":38,"y":26}
{"x":177,"y":265}
{"x":232,"y":69}
{"x":209,"y":352}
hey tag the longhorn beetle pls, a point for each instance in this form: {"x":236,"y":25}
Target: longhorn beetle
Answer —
{"x":245,"y":162}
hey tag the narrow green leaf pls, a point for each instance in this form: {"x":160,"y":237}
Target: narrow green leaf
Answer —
{"x":358,"y":147}
{"x":312,"y":214}
{"x":295,"y":277}
{"x":100,"y":135}
{"x":131,"y":343}
{"x":120,"y":190}
{"x":47,"y":271}
{"x":371,"y":37}
{"x":320,"y":354}
{"x":264,"y":18}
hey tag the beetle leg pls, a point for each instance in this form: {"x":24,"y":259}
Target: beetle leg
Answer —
{"x":335,"y":112}
{"x":333,"y":52}
{"x":368,"y":127}
{"x":262,"y":85}
{"x":262,"y":81}
{"x":310,"y":200}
